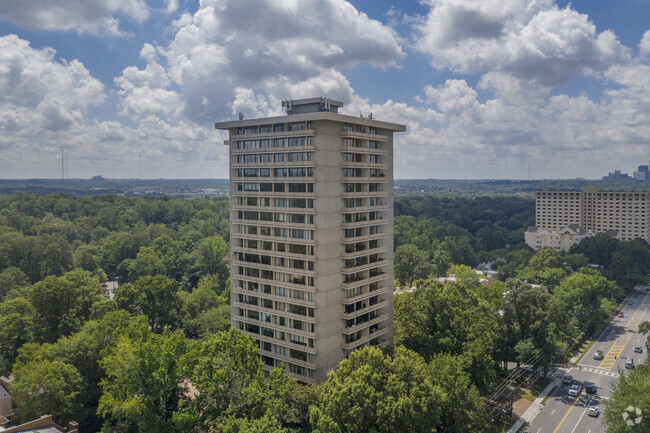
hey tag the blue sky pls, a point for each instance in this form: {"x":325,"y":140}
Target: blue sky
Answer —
{"x":487,"y":88}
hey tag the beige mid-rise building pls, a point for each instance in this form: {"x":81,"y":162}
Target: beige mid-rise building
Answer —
{"x":625,"y":212}
{"x":311,"y":234}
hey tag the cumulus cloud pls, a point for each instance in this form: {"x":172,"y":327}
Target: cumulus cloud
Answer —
{"x":644,"y":45}
{"x":82,"y":16}
{"x":45,"y":104}
{"x":521,"y":124}
{"x":530,"y":39}
{"x":229,"y":44}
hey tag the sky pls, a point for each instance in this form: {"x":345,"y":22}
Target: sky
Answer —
{"x":488,"y":89}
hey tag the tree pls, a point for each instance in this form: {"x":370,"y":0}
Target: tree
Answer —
{"x":146,"y":263}
{"x":142,"y":386}
{"x":154,"y":296}
{"x":441,"y":261}
{"x":46,"y":387}
{"x":84,"y":258}
{"x":213,"y":257}
{"x":410,"y":264}
{"x":85,"y":349}
{"x":435,"y":319}
{"x":463,"y":409}
{"x":226,"y":365}
{"x":629,"y":391}
{"x":371,"y":392}
{"x":62,"y":304}
{"x":16,"y":329}
{"x":11,"y":278}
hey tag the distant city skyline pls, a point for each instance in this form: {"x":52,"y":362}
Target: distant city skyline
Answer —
{"x":513,"y":89}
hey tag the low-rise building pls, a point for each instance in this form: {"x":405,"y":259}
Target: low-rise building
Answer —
{"x":559,"y":240}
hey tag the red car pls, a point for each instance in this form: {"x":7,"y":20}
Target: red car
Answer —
{"x":621,"y":315}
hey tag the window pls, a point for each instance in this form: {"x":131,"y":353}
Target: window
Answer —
{"x":297,"y":126}
{"x":296,"y":141}
{"x":251,"y":187}
{"x":250,"y":130}
{"x":280,"y":172}
{"x":278,"y":187}
{"x":266,"y":157}
{"x":297,"y":187}
{"x":297,"y":172}
{"x":265,"y":172}
{"x":266,"y":128}
{"x":278,"y":127}
{"x":279,"y":142}
{"x":265,"y":143}
{"x":250,"y":172}
{"x":266,"y":187}
{"x":278,"y":157}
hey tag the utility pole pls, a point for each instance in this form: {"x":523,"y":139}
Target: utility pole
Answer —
{"x":62,"y":163}
{"x":140,"y":157}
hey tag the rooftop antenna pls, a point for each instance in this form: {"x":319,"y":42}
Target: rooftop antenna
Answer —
{"x":241,"y":116}
{"x":67,"y":161}
{"x":140,"y":172}
{"x":287,"y":105}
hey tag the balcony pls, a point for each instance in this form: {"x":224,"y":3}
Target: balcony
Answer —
{"x":348,"y":149}
{"x":364,"y":267}
{"x":367,"y":309}
{"x":364,"y":281}
{"x":300,"y":133}
{"x":380,"y":291}
{"x":365,"y":339}
{"x":354,"y":328}
{"x":364,"y":136}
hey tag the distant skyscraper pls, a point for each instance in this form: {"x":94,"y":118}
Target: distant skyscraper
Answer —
{"x":311,"y":227}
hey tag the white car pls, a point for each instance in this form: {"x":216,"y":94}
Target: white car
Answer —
{"x":593,"y":411}
{"x":574,"y":391}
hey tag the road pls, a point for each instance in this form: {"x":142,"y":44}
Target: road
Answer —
{"x":565,"y":414}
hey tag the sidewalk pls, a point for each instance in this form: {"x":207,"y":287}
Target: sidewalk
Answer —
{"x":533,"y":409}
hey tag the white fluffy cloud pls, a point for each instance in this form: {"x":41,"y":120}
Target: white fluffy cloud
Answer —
{"x":82,"y":16}
{"x":45,"y":104}
{"x":270,"y":43}
{"x":530,"y":39}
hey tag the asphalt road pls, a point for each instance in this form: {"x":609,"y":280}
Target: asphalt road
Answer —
{"x":565,"y":414}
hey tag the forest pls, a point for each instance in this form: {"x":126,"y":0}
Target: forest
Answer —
{"x":156,"y":353}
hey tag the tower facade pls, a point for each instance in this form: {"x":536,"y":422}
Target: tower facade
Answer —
{"x":311,"y":234}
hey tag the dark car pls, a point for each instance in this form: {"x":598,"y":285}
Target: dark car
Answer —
{"x":591,"y":389}
{"x":567,"y":379}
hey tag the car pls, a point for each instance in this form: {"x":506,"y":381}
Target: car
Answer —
{"x":647,"y":288}
{"x":629,"y":364}
{"x":593,"y":411}
{"x":621,"y":314}
{"x":574,"y":391}
{"x":638,"y":349}
{"x":591,"y":389}
{"x":630,"y":303}
{"x":567,"y":378}
{"x":598,"y":355}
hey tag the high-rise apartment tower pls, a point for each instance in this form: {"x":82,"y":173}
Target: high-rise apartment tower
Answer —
{"x":311,"y":234}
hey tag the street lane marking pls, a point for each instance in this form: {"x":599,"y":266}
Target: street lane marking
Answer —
{"x":633,"y":329}
{"x":567,"y":414}
{"x":540,"y":429}
{"x":583,"y":414}
{"x":615,"y":346}
{"x":553,"y":412}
